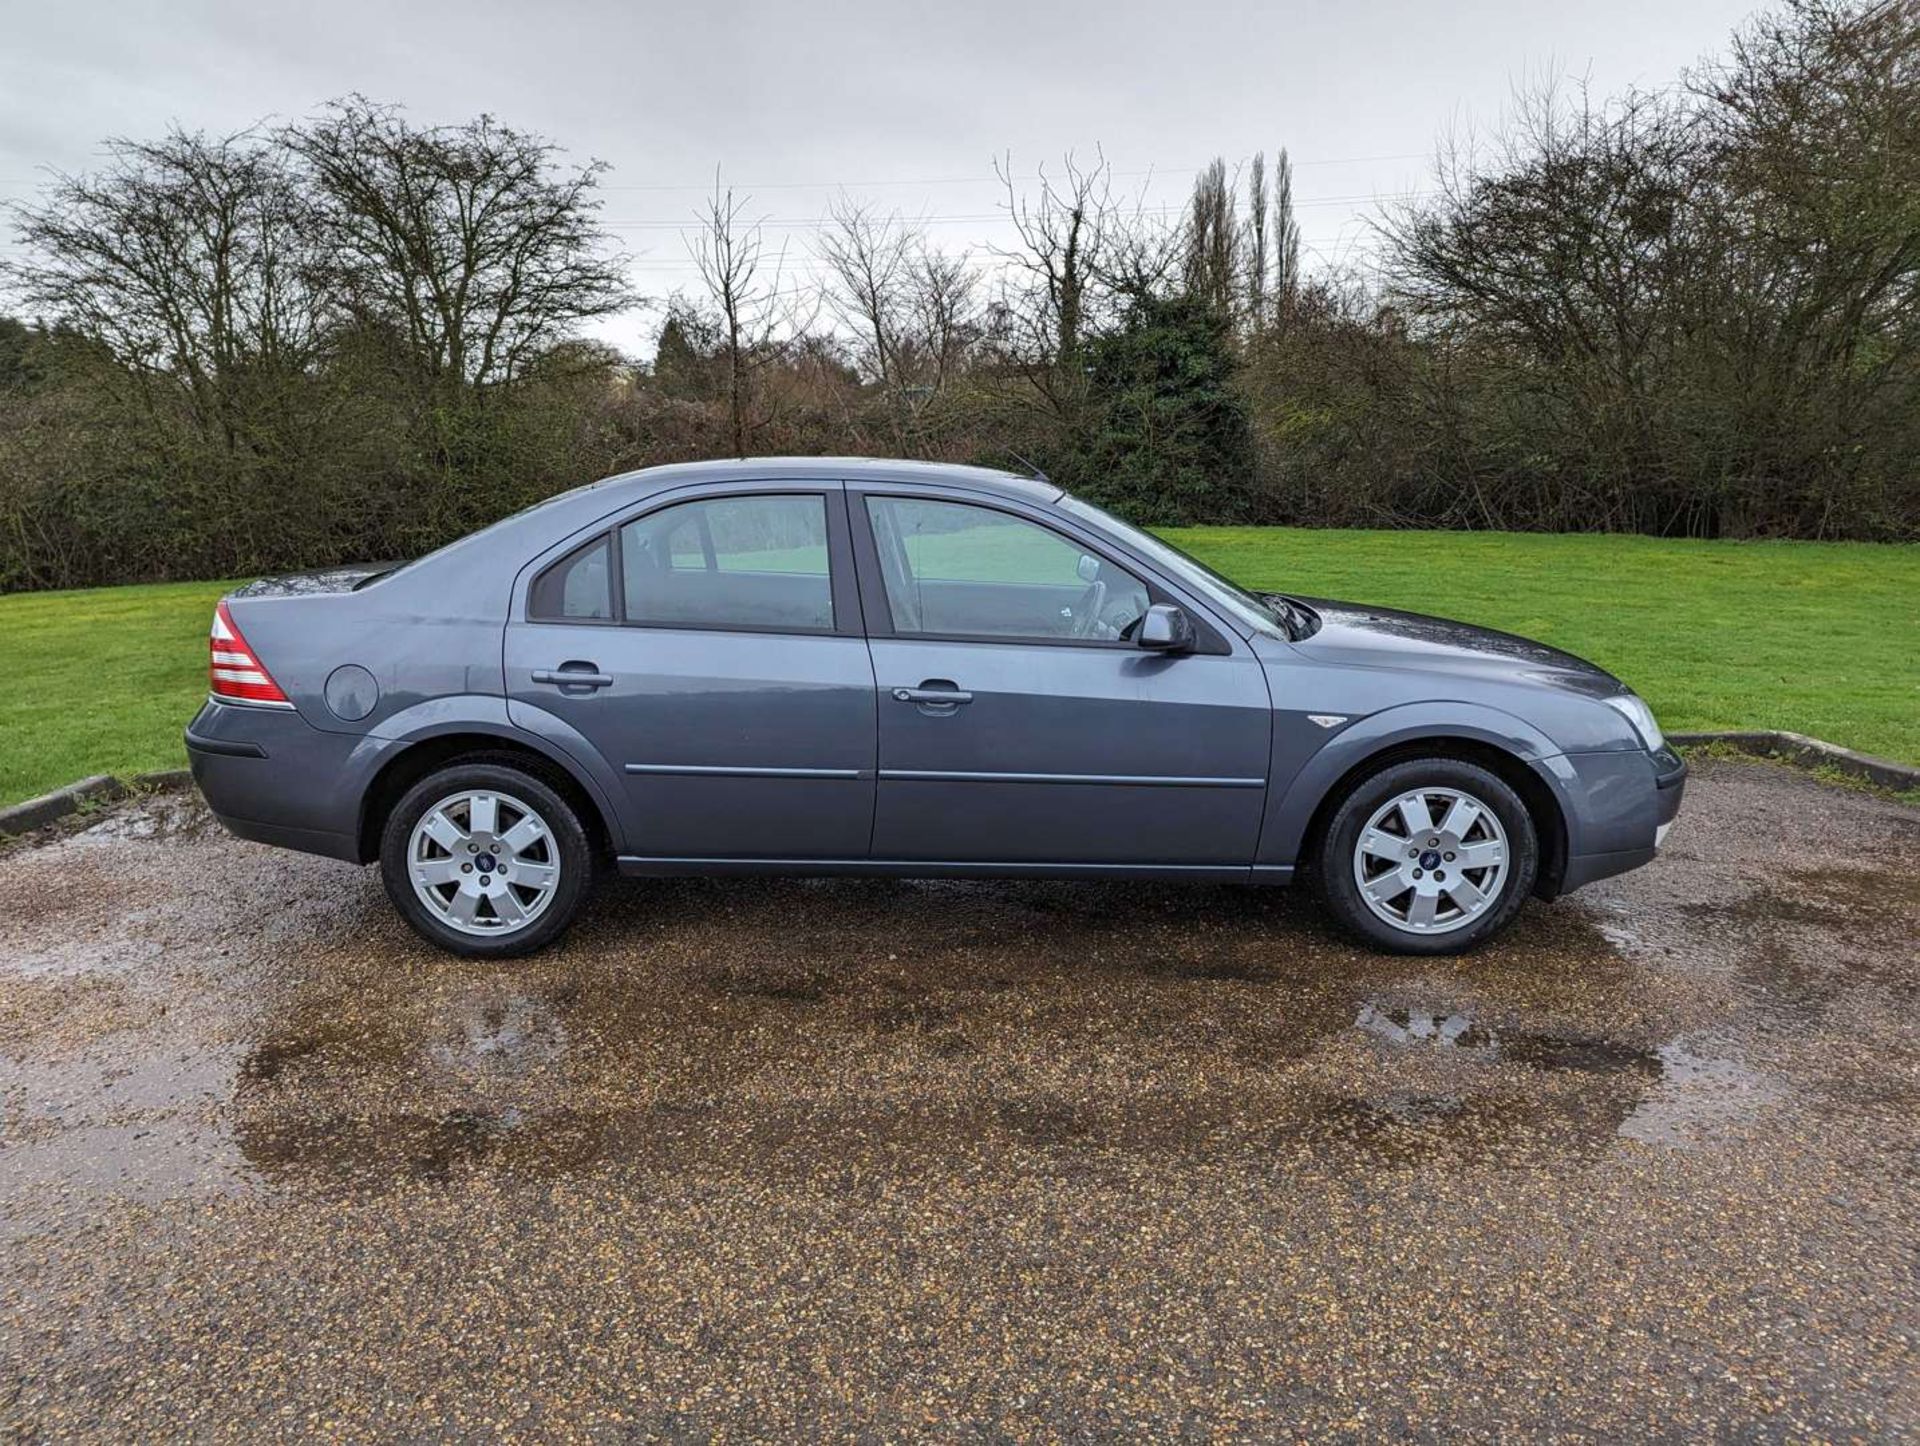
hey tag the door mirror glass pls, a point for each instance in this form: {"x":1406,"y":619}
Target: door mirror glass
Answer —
{"x":1166,"y":629}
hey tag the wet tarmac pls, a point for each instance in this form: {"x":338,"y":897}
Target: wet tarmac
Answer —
{"x":904,"y":1160}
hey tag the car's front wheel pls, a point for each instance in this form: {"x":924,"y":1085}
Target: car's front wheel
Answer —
{"x":485,"y":860}
{"x":1428,"y":856}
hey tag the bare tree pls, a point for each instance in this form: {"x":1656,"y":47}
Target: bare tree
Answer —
{"x":943,"y":307}
{"x":1142,"y":254}
{"x":1255,"y":259}
{"x":193,"y":259}
{"x":1213,"y":241}
{"x":912,"y":309}
{"x":186,"y":279}
{"x":742,"y":282}
{"x":1063,"y":233}
{"x":1286,"y":240}
{"x":869,"y":260}
{"x":472,"y":241}
{"x":1571,"y":270}
{"x":1811,"y":133}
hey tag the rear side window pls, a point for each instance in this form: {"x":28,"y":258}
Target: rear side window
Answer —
{"x":724,"y":562}
{"x":579,"y":585}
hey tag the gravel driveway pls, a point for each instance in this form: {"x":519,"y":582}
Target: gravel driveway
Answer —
{"x":869,"y":1158}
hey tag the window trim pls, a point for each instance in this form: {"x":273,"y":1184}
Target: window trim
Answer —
{"x":842,"y":570}
{"x":879,"y":610}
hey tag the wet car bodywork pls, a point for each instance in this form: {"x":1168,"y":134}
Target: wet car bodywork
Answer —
{"x":753,"y":750}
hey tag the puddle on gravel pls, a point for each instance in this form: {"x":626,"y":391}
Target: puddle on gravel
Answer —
{"x":551,"y":1079}
{"x":126,"y":1115}
{"x":1850,"y":905}
{"x":1798,"y":945}
{"x":498,"y":1031}
{"x":154,"y":816}
{"x":1413,"y":1127}
{"x":1541,"y":1049}
{"x":1697,"y":1096}
{"x":1891,"y":897}
{"x":876,"y":1025}
{"x":1413,"y":1025}
{"x":1678,"y":1094}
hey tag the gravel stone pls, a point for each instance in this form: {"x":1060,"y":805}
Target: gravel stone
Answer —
{"x":877,"y":1159}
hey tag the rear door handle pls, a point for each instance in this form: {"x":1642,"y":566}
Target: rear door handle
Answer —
{"x":574,"y":675}
{"x":939,"y":697}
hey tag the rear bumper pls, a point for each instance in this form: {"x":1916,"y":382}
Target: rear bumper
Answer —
{"x":304,"y":840}
{"x":1622,"y":806}
{"x":272,"y":777}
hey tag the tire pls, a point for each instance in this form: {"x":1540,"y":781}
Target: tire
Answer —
{"x":1371,"y":836}
{"x":481,"y":880}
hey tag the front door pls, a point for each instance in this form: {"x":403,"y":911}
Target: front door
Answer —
{"x":710,"y":650}
{"x":1018,"y":722}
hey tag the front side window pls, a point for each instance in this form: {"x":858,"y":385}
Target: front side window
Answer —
{"x":1218,"y":589}
{"x":957,"y":570}
{"x":756,"y":562}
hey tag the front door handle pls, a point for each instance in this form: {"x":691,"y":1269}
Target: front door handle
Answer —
{"x":934,"y":694}
{"x":574,"y":675}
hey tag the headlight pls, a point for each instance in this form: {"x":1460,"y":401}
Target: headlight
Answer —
{"x":1634,"y":709}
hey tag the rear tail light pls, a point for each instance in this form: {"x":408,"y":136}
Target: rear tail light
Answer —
{"x":234,"y":672}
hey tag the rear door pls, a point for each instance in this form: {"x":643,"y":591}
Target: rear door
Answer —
{"x":709,"y":647}
{"x":1020,"y":724}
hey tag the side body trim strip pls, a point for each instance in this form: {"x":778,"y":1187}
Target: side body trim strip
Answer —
{"x":714,"y":770}
{"x":1132,"y":780}
{"x":658,"y":866}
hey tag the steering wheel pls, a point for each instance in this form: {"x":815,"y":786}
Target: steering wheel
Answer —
{"x":1086,"y":612}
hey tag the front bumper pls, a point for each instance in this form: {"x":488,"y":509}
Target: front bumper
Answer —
{"x":1620,"y":811}
{"x":270,"y":776}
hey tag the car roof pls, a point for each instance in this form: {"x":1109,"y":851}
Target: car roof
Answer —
{"x":470,"y":561}
{"x":847,"y":469}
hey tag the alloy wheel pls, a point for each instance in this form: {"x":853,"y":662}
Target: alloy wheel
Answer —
{"x":483,"y":862}
{"x":1431,"y":860}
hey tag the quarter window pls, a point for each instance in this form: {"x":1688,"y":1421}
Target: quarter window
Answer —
{"x":757,"y":562}
{"x":579,"y":585}
{"x":959,"y":570}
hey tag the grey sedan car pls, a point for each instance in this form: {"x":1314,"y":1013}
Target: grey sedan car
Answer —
{"x":841,"y":666}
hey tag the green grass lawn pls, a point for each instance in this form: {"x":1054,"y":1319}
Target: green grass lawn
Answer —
{"x":1820,"y":638}
{"x":99,"y":681}
{"x":1815,"y":637}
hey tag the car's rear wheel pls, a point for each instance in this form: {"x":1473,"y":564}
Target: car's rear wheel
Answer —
{"x":485,"y":860}
{"x":1428,"y":856}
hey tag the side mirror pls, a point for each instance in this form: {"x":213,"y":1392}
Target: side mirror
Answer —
{"x":1165,"y":629}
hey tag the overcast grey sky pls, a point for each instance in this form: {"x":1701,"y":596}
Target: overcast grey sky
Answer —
{"x":899,"y":103}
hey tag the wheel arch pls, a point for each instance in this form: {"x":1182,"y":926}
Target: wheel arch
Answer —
{"x":1508,"y":748}
{"x":1543,"y":806}
{"x":424,"y":755}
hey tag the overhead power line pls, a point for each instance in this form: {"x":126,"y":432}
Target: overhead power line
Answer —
{"x":977,"y":180}
{"x":990,"y":180}
{"x":814,"y":222}
{"x":806,"y":261}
